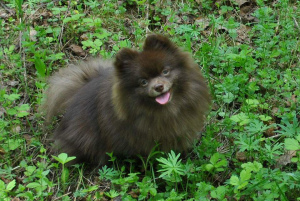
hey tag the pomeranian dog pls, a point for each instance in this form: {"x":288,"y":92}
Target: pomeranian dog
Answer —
{"x":156,"y":96}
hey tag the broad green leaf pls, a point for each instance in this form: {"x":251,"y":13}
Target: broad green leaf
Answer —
{"x":3,"y":123}
{"x":54,"y":57}
{"x":298,"y":138}
{"x":46,"y":172}
{"x":22,"y":114}
{"x":29,"y":170}
{"x":228,"y":97}
{"x":219,"y":193}
{"x":252,"y":102}
{"x":291,"y":144}
{"x":275,"y":53}
{"x":40,"y":66}
{"x":13,"y":144}
{"x":63,"y":158}
{"x":23,"y":107}
{"x":234,"y":180}
{"x":23,"y":110}
{"x":243,"y":184}
{"x":70,"y":158}
{"x":98,"y":43}
{"x":265,"y":117}
{"x":12,"y":97}
{"x":73,"y":18}
{"x":209,"y":167}
{"x":240,"y":118}
{"x":245,"y":175}
{"x":294,"y":160}
{"x":153,"y":191}
{"x":11,"y":111}
{"x":33,"y":185}
{"x":221,"y":163}
{"x":255,"y":166}
{"x":11,"y":185}
{"x":2,"y":184}
{"x":87,"y":43}
{"x":40,"y":85}
{"x":215,"y":157}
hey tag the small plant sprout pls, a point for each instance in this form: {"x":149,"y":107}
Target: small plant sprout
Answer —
{"x":63,"y":158}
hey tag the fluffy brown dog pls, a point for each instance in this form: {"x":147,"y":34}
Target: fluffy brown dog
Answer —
{"x":126,"y":107}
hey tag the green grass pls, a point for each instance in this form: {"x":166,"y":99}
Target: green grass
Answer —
{"x":250,"y":148}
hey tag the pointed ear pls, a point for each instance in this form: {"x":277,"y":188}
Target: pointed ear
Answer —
{"x":124,"y":57}
{"x":159,"y":42}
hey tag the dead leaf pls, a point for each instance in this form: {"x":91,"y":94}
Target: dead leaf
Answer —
{"x":206,"y":33}
{"x":242,"y":2}
{"x":222,"y":29}
{"x":290,"y":101}
{"x":3,"y":14}
{"x":46,"y":14}
{"x":247,"y":7}
{"x":215,"y":107}
{"x":243,"y":34}
{"x":247,"y":17}
{"x":2,"y":111}
{"x":203,"y":23}
{"x":270,"y":132}
{"x":27,"y":138}
{"x":16,"y":129}
{"x":119,"y":198}
{"x":2,"y":151}
{"x":189,"y":19}
{"x":5,"y":180}
{"x":252,"y":79}
{"x":225,"y":146}
{"x":12,"y":83}
{"x":84,"y":37}
{"x":32,"y":34}
{"x":241,"y":156}
{"x":274,"y":111}
{"x":285,"y":158}
{"x":133,"y":194}
{"x":77,"y":50}
{"x":5,"y":11}
{"x":218,"y":177}
{"x":294,"y":99}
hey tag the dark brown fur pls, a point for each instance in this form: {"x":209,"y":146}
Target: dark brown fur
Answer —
{"x":107,"y":109}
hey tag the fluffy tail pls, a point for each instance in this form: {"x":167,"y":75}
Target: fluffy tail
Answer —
{"x":65,"y":83}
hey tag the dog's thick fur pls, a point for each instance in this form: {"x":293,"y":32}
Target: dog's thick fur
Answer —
{"x":107,"y":109}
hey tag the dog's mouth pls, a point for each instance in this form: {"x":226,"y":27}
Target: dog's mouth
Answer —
{"x":163,"y":98}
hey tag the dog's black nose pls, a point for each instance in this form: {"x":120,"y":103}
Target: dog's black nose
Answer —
{"x":159,"y":87}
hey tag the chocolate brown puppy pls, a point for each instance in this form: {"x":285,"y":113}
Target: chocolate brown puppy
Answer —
{"x":154,"y":96}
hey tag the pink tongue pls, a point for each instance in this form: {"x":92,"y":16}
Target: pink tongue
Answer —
{"x":163,"y":99}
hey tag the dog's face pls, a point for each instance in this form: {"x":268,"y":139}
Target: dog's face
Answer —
{"x":153,"y":74}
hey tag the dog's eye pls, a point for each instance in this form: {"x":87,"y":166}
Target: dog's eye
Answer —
{"x":166,"y":72}
{"x":143,"y":82}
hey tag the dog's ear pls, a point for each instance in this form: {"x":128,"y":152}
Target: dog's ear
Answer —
{"x":159,"y":42}
{"x":124,"y":58}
